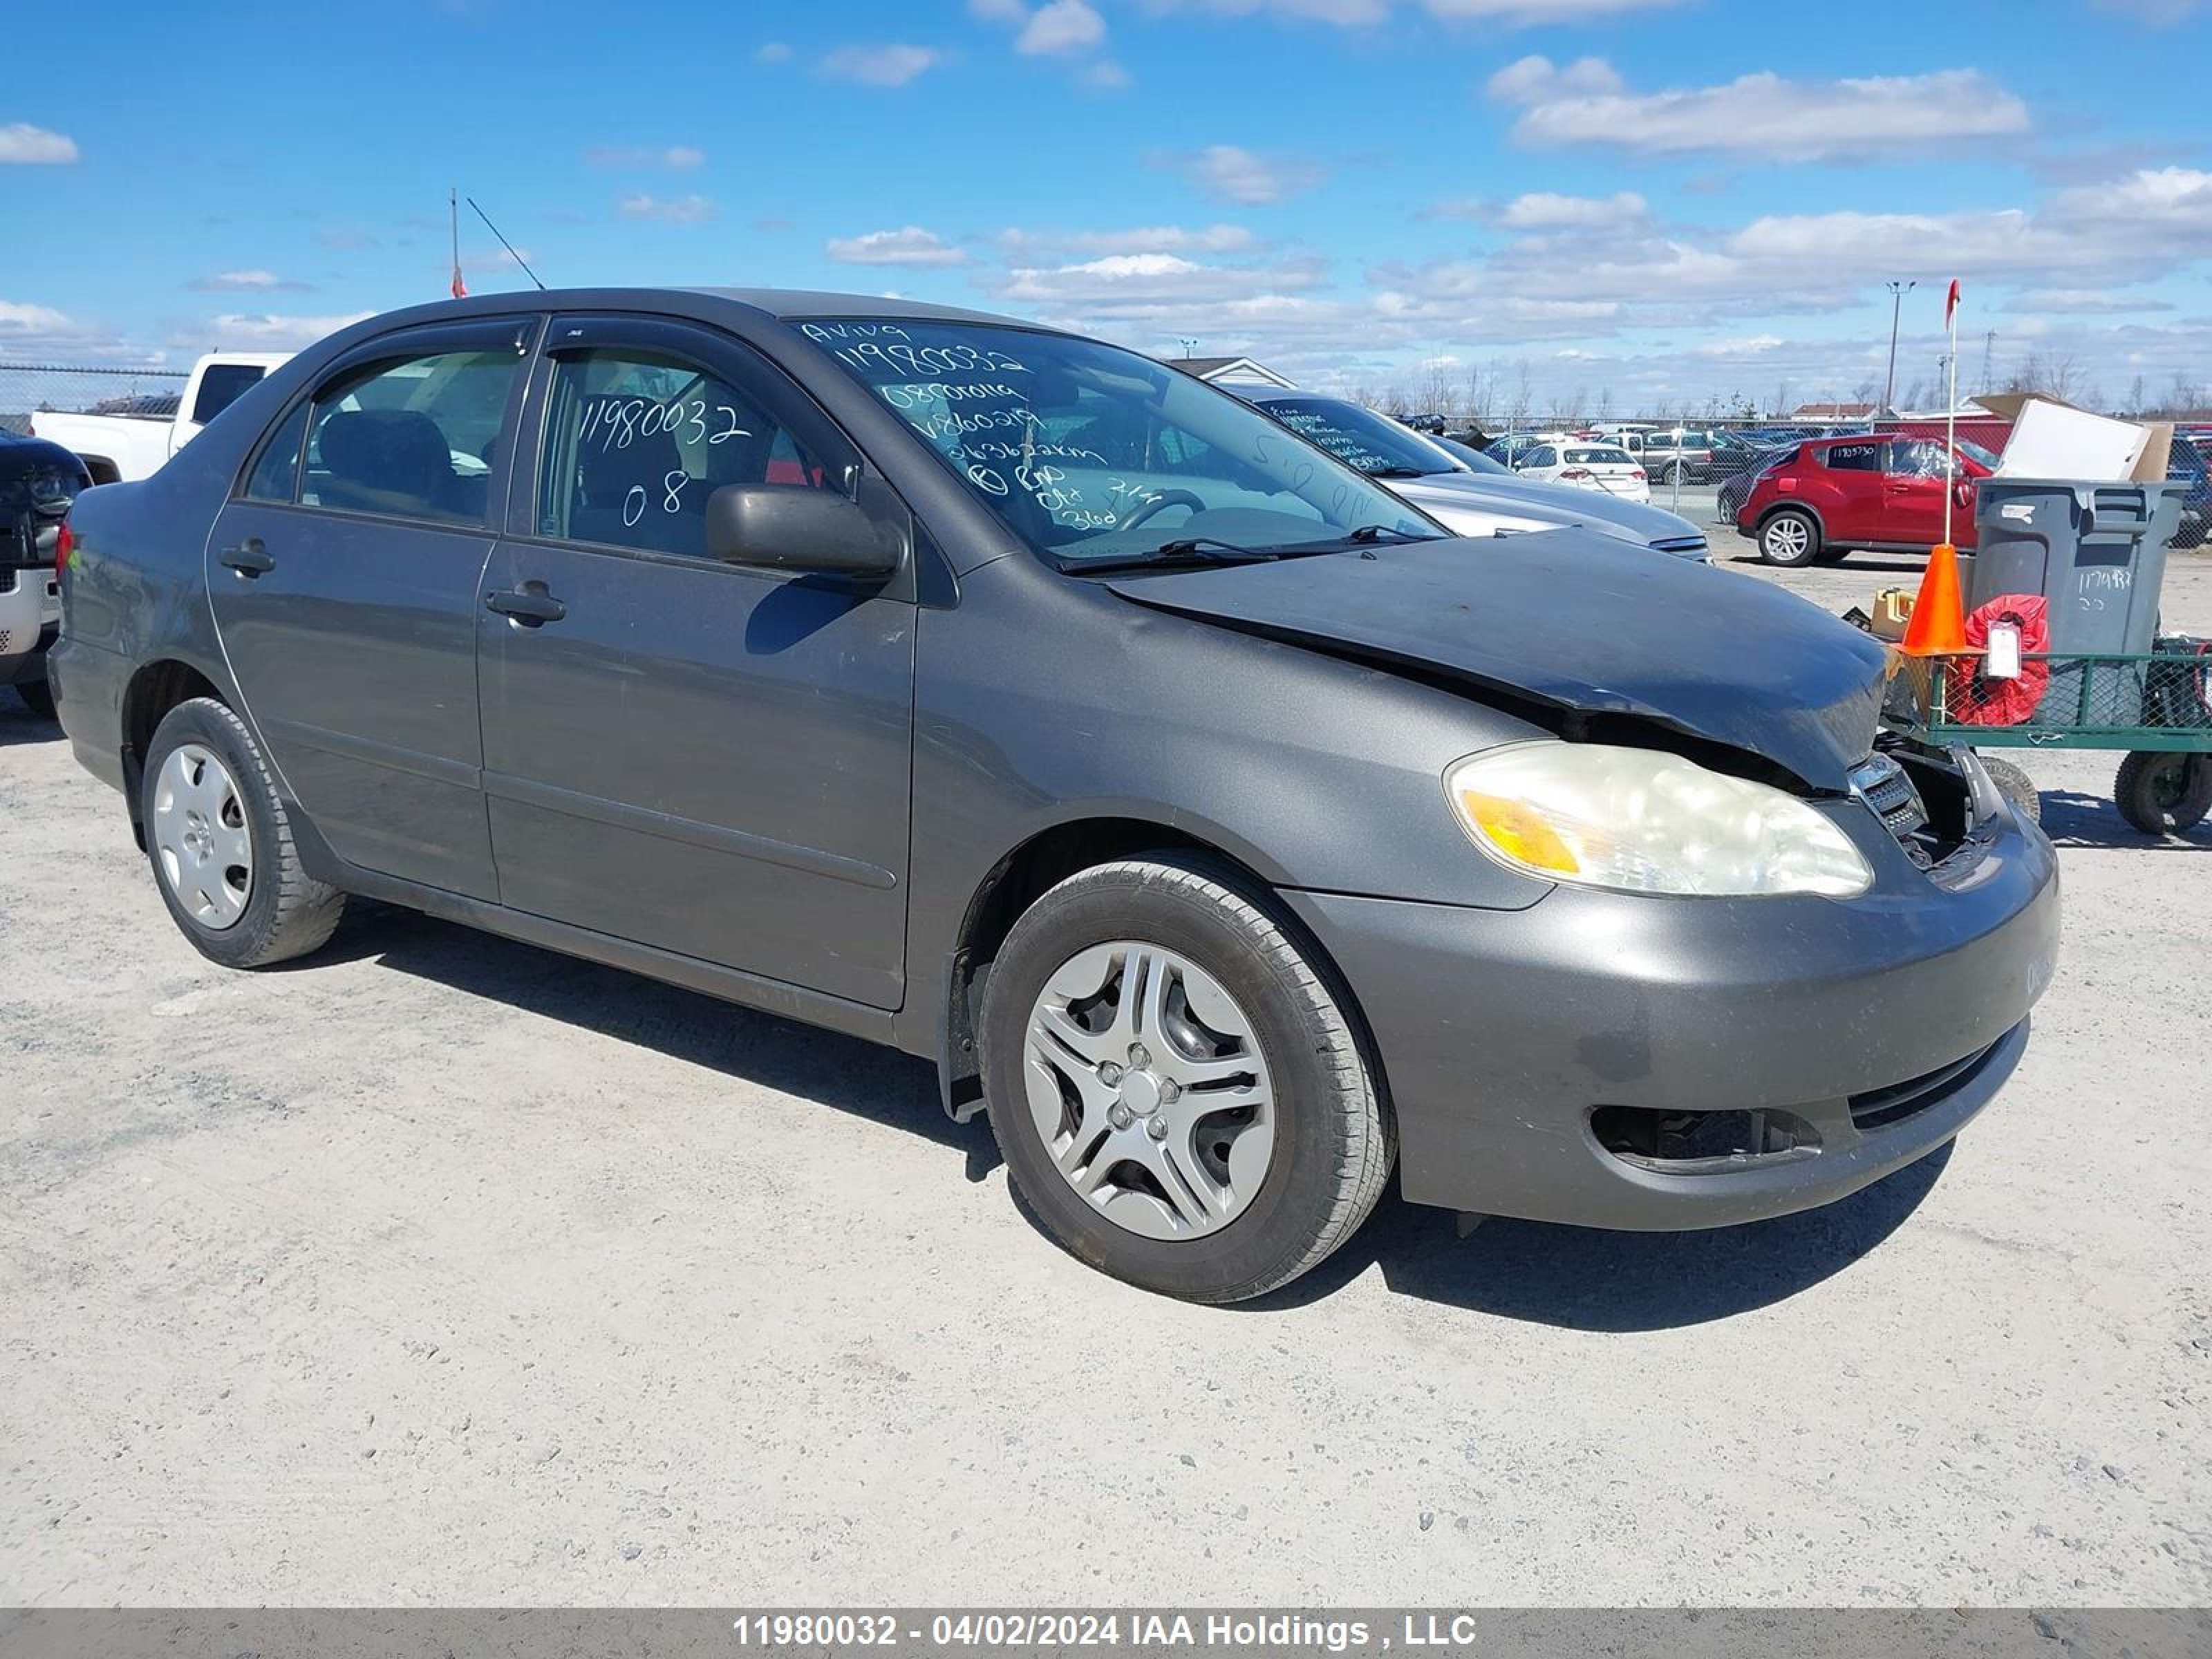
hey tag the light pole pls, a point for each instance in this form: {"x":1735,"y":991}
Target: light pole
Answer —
{"x":1188,"y":344}
{"x":1897,"y":292}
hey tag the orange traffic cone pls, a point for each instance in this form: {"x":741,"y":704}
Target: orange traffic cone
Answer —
{"x":1938,"y":624}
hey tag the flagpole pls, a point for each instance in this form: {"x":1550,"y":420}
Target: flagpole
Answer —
{"x":454,"y":217}
{"x":1951,"y":424}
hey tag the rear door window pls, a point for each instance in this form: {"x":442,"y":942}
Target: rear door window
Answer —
{"x":1863,"y":456}
{"x":413,"y":437}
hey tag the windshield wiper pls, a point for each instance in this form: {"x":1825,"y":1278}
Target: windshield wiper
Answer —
{"x":1399,"y":472}
{"x":1189,"y":551}
{"x":1375,"y":532}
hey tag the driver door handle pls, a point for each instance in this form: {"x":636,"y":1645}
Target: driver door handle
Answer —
{"x":531,"y":605}
{"x":249,"y":558}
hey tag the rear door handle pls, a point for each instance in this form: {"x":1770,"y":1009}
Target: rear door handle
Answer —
{"x":249,"y":558}
{"x":531,"y":605}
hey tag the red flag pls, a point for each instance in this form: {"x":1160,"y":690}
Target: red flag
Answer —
{"x":461,"y":291}
{"x":1950,"y":305}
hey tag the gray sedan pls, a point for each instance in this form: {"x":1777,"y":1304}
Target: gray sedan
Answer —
{"x":1217,"y":822}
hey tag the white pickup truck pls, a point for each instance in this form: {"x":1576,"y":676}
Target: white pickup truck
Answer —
{"x":122,"y":445}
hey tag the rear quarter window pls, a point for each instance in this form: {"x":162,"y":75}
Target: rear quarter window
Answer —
{"x":1852,"y":457}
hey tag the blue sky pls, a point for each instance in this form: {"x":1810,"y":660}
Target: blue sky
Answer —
{"x":1658,"y":200}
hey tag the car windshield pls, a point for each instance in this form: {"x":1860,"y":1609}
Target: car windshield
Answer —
{"x":1359,"y":437}
{"x":1091,"y":454}
{"x":1600,"y":457}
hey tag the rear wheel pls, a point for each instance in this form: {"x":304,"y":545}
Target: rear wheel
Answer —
{"x":1176,"y":1083}
{"x":2164,"y":794}
{"x":220,"y":843}
{"x":39,"y":698}
{"x":1789,"y":538}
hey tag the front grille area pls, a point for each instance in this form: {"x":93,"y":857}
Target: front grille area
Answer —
{"x":1877,"y":1109}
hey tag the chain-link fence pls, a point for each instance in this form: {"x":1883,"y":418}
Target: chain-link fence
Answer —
{"x":26,"y":389}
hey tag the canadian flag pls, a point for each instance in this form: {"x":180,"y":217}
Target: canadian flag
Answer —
{"x":1950,"y":305}
{"x":461,"y":289}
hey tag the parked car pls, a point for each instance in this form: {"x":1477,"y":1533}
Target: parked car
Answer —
{"x":1831,"y":494}
{"x":129,"y":438}
{"x":1668,"y":456}
{"x":2187,"y":467}
{"x":1222,"y":826}
{"x":1729,"y":498}
{"x":1476,"y":496}
{"x":39,"y":481}
{"x":1606,"y":468}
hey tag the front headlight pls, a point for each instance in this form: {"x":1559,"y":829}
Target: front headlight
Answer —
{"x":1644,"y":821}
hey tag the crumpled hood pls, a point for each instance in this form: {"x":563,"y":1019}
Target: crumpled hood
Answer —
{"x":1609,"y":629}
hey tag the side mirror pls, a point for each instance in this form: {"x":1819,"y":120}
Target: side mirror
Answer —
{"x":790,"y":527}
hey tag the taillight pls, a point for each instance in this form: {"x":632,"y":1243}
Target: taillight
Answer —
{"x":64,"y":545}
{"x":1576,"y":474}
{"x":1635,"y":472}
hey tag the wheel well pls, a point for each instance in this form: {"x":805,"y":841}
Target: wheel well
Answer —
{"x":1767,"y":515}
{"x":102,"y":470}
{"x":153,"y":691}
{"x":1016,"y":882}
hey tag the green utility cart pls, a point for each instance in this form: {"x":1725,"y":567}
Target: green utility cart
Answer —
{"x":2155,"y":705}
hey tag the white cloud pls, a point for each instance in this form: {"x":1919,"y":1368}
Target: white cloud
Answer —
{"x":910,"y":245}
{"x":233,"y":331}
{"x":1229,"y":173}
{"x":672,"y":210}
{"x":1749,"y":345}
{"x":1106,"y":74}
{"x":1061,"y":27}
{"x":634,"y":156}
{"x":1363,"y":13}
{"x":1158,"y":288}
{"x":1765,"y":115}
{"x":772,"y":51}
{"x":1542,"y":211}
{"x":1142,"y":239}
{"x":888,"y":65}
{"x":248,"y":281}
{"x":998,"y":11}
{"x":2159,"y":14}
{"x":25,"y":145}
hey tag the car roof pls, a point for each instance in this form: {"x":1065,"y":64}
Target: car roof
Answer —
{"x":761,"y":304}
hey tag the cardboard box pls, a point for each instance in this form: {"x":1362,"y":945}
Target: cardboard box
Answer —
{"x":2052,"y":439}
{"x":1893,"y":609}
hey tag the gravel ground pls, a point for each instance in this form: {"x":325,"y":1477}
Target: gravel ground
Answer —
{"x":442,"y":1269}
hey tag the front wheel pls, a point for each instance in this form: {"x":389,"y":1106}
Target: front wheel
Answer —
{"x":2164,"y":794}
{"x":1789,"y":538}
{"x":2016,"y":787}
{"x":220,"y":841}
{"x":1176,"y":1083}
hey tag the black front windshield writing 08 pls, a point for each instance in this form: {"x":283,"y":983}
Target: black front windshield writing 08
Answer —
{"x":1088,"y":452}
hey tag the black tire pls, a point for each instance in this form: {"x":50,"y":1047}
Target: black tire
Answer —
{"x":287,"y":912}
{"x":2016,"y":787}
{"x":1778,"y":545}
{"x":38,"y":697}
{"x":2164,"y":794}
{"x":1334,"y":1139}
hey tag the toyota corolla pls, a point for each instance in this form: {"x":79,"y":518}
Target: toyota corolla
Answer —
{"x":1216,"y":821}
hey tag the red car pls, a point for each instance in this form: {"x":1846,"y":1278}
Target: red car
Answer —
{"x":1828,"y":495}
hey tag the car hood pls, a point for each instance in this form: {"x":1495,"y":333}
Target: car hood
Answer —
{"x":1707,"y":652}
{"x":1559,"y":503}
